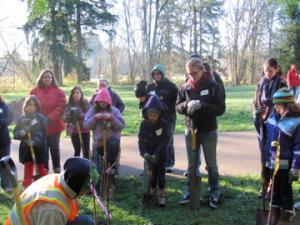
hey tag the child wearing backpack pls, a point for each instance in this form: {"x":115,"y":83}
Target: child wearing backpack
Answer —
{"x":74,"y":112}
{"x":154,"y":136}
{"x":30,"y":129}
{"x":283,"y":126}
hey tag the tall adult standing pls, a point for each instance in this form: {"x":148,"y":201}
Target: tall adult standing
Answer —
{"x":200,"y":99}
{"x":116,"y":99}
{"x":6,"y":118}
{"x":269,"y":83}
{"x":52,"y":100}
{"x":167,"y":91}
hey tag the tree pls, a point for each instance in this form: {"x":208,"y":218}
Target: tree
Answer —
{"x":48,"y":29}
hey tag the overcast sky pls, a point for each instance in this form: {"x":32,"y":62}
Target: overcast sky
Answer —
{"x":12,"y":16}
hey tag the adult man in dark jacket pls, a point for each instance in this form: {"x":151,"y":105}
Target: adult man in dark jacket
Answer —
{"x":116,"y":100}
{"x":201,"y":101}
{"x":167,"y":91}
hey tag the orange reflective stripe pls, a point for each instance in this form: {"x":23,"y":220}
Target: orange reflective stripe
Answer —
{"x":50,"y":190}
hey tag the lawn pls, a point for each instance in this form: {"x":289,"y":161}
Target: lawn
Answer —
{"x":238,"y":205}
{"x":238,"y":115}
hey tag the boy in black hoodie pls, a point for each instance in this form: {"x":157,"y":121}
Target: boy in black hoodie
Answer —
{"x":154,"y":136}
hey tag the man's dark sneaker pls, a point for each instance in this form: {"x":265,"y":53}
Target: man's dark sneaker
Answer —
{"x":169,"y":169}
{"x":186,"y":173}
{"x":185,"y":199}
{"x":213,"y":203}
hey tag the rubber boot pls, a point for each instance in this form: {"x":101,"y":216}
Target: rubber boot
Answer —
{"x":275,"y":215}
{"x":161,"y":197}
{"x":28,"y":173}
{"x":285,"y":218}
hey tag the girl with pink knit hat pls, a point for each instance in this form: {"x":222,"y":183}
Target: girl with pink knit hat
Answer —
{"x":106,"y":122}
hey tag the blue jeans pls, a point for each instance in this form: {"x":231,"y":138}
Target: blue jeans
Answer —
{"x":208,"y":142}
{"x":170,"y":151}
{"x":82,"y":220}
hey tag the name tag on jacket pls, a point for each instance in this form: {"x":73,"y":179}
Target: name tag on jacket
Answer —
{"x":158,"y":132}
{"x":204,"y":92}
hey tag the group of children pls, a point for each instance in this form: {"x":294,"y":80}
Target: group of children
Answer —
{"x":80,"y":116}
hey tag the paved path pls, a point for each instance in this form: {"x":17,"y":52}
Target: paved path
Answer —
{"x":237,"y":154}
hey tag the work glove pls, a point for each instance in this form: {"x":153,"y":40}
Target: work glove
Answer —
{"x":99,"y":116}
{"x":22,"y":133}
{"x":193,"y":106}
{"x":293,"y":175}
{"x":150,"y":158}
{"x":30,"y":142}
{"x":75,"y":114}
{"x":147,"y":158}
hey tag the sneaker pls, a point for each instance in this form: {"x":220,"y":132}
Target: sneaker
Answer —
{"x":297,"y":205}
{"x":186,"y":174}
{"x":213,"y":202}
{"x":169,"y":169}
{"x":185,"y":199}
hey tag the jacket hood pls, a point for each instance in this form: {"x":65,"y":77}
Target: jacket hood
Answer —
{"x":103,"y":96}
{"x":153,"y":103}
{"x":160,"y":68}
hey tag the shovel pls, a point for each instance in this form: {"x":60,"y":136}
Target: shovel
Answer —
{"x":262,"y":213}
{"x":195,"y":182}
{"x":148,"y":198}
{"x":37,"y":173}
{"x":8,"y":169}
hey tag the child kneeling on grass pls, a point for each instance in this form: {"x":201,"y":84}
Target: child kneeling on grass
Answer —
{"x":286,"y":131}
{"x":31,"y":130}
{"x":154,"y":136}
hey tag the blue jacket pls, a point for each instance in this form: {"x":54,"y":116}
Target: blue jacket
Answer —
{"x":6,"y":118}
{"x":286,"y":131}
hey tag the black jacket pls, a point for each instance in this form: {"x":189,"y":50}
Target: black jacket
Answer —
{"x":38,"y":129}
{"x":154,"y":138}
{"x":6,"y":118}
{"x":167,"y":91}
{"x":213,"y":105}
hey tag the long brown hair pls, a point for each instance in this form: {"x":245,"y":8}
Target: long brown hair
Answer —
{"x":39,"y":80}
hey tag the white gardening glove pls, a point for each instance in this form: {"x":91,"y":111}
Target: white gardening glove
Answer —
{"x":193,"y":106}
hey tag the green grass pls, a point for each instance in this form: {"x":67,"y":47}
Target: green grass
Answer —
{"x":238,"y":115}
{"x":238,"y":205}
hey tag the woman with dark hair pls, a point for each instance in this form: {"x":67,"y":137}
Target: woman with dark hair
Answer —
{"x":270,"y":82}
{"x":52,"y":100}
{"x":6,"y":118}
{"x":74,"y":113}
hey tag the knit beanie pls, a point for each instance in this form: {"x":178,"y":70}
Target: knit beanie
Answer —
{"x":77,"y":173}
{"x":141,"y":89}
{"x":283,"y":96}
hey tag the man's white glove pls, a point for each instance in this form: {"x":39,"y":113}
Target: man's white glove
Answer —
{"x":193,"y":106}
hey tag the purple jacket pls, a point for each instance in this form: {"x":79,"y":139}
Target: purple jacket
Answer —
{"x":287,"y":132}
{"x":113,"y":128}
